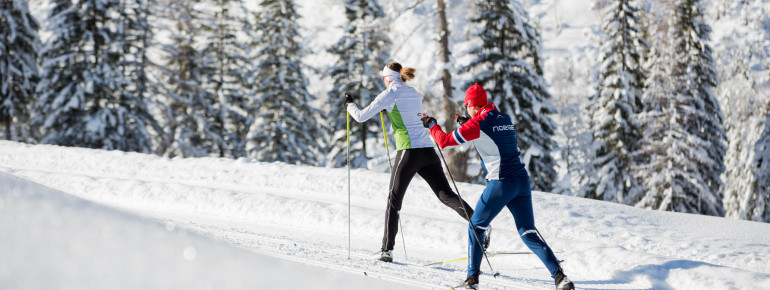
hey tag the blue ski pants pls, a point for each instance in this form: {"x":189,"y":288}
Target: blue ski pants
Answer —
{"x":517,"y":196}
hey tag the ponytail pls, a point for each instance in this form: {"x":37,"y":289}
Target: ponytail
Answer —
{"x":407,"y":73}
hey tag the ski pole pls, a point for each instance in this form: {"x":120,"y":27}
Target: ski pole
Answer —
{"x":558,"y":262}
{"x":390,"y":165}
{"x":484,"y":251}
{"x":348,"y":136}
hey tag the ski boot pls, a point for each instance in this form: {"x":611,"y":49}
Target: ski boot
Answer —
{"x":472,"y":282}
{"x":562,"y":282}
{"x":386,"y":256}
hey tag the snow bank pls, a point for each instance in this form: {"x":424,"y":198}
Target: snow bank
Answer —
{"x":52,"y":240}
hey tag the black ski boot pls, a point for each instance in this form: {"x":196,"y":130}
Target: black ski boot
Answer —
{"x":562,"y":282}
{"x":472,"y":282}
{"x":386,"y":256}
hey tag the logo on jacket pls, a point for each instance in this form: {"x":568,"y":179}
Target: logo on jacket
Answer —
{"x":502,"y":128}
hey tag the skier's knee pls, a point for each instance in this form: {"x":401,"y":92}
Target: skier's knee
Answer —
{"x":446,"y":197}
{"x":478,"y":229}
{"x":528,"y":234}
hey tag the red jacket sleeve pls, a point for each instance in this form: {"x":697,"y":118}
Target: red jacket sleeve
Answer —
{"x":468,"y":132}
{"x":442,"y":139}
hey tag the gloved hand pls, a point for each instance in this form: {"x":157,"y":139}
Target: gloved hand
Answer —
{"x":348,"y":100}
{"x":428,"y":121}
{"x":461,"y":119}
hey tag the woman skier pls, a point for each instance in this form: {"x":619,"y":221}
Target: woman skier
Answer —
{"x":493,"y":134}
{"x":415,"y":149}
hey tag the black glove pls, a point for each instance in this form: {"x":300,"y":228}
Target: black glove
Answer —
{"x":461,"y":119}
{"x":348,"y":100}
{"x":428,"y":121}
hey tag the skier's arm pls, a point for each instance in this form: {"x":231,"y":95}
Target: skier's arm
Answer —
{"x":385,"y":100}
{"x":442,"y":139}
{"x":468,"y":132}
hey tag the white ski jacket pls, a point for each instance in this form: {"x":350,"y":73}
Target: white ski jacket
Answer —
{"x":404,"y":107}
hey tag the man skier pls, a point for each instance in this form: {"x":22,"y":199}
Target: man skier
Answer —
{"x":493,"y":134}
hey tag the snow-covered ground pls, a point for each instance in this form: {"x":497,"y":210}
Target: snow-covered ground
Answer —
{"x":53,"y":240}
{"x":114,"y":220}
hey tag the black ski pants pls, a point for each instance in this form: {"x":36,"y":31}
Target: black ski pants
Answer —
{"x":425,"y":162}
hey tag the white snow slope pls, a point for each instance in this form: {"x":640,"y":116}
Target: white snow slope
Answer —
{"x":114,"y":220}
{"x":52,"y":240}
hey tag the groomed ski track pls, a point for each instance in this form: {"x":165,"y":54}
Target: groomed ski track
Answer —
{"x":361,"y":262}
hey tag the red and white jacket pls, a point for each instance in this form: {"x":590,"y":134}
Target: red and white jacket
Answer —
{"x":493,"y":134}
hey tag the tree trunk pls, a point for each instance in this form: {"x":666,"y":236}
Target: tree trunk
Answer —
{"x":456,"y":160}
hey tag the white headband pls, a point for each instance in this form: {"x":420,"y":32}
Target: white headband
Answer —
{"x":390,"y":75}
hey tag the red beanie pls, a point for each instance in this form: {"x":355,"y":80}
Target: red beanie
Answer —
{"x":475,"y":96}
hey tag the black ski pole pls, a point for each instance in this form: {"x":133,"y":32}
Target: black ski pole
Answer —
{"x":484,"y":251}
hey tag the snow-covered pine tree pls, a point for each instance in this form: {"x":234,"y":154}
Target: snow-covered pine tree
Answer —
{"x":682,"y":149}
{"x":19,"y":45}
{"x":757,"y":207}
{"x":285,"y":127}
{"x":702,"y":79}
{"x":615,"y":105}
{"x":508,"y":66}
{"x":78,"y":96}
{"x":743,"y":91}
{"x":746,"y":191}
{"x":361,"y":53}
{"x":191,"y":111}
{"x":142,"y":132}
{"x":576,"y":150}
{"x":653,"y":167}
{"x":225,"y":69}
{"x":59,"y":98}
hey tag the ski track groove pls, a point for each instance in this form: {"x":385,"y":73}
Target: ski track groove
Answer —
{"x":360,"y":261}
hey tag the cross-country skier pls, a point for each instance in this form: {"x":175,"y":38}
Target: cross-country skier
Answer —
{"x":415,"y":149}
{"x":492,"y":132}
